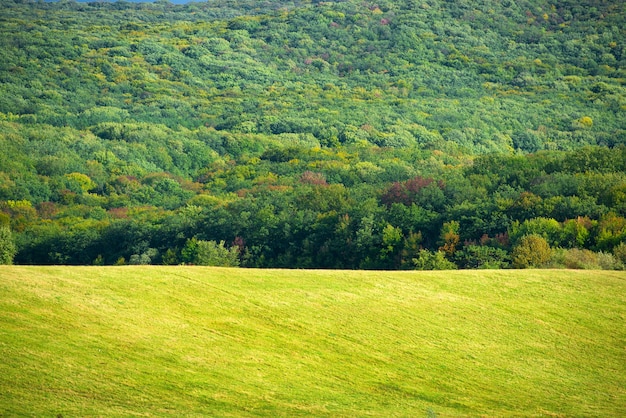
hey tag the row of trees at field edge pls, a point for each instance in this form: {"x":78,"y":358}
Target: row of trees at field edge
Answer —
{"x":474,"y":215}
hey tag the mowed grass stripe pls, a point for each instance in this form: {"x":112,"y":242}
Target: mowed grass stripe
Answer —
{"x":195,"y":341}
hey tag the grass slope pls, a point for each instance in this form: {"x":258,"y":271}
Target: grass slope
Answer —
{"x":193,"y":341}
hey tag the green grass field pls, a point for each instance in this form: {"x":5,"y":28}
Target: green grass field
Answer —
{"x":195,"y":341}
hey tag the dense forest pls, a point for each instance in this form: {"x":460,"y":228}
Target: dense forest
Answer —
{"x":305,"y":134}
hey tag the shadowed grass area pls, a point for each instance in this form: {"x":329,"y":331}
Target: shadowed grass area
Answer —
{"x":194,"y":341}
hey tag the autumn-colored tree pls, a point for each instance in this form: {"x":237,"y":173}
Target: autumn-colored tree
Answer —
{"x":531,"y":251}
{"x":406,"y":192}
{"x":449,"y":238}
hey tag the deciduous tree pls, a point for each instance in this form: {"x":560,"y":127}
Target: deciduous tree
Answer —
{"x":531,"y":251}
{"x":7,"y":245}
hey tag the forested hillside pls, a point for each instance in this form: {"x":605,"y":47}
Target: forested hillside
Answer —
{"x":352,"y":134}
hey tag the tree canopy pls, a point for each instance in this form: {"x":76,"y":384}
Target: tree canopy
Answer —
{"x":342,"y":134}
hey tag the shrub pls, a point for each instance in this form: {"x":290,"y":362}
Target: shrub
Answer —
{"x":427,"y":260}
{"x":619,"y":252}
{"x":584,"y":260}
{"x":531,"y":251}
{"x":147,"y":257}
{"x":210,"y":253}
{"x":170,"y":257}
{"x":482,"y":257}
{"x":608,"y":261}
{"x":581,"y":259}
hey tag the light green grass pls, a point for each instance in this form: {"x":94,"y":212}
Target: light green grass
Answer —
{"x":194,"y":341}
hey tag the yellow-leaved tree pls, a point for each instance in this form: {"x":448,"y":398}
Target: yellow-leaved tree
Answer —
{"x":531,"y":251}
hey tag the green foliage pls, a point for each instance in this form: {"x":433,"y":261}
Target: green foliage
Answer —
{"x":7,"y":245}
{"x":335,"y":135}
{"x":432,"y":260}
{"x":585,"y":260}
{"x":531,"y":251}
{"x":482,"y":257}
{"x":449,"y":237}
{"x":391,"y":245}
{"x":170,"y":257}
{"x":146,"y":257}
{"x":611,"y":231}
{"x":209,"y":253}
{"x":549,"y":229}
{"x":620,"y":252}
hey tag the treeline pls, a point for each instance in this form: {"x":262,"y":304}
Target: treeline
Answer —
{"x":303,"y":208}
{"x":303,"y":134}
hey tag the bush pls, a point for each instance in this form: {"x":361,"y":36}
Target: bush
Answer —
{"x":584,"y":260}
{"x":581,"y":259}
{"x":147,"y":257}
{"x":427,"y":260}
{"x":210,"y":253}
{"x":608,"y":261}
{"x":531,"y":251}
{"x":482,"y":257}
{"x":620,"y":252}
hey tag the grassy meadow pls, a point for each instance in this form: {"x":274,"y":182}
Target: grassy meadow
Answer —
{"x":200,"y":341}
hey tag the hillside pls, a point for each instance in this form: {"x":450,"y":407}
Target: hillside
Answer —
{"x":312,"y":134}
{"x":484,"y":76}
{"x":157,"y":341}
